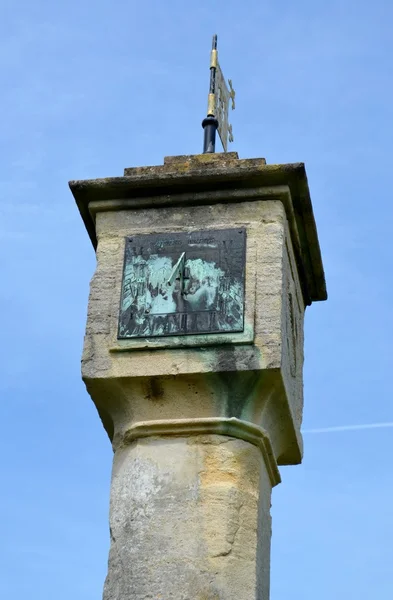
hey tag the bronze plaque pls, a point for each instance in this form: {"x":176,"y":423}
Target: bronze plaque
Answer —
{"x":183,"y":283}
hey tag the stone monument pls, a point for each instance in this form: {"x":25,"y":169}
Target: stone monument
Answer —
{"x":193,"y":356}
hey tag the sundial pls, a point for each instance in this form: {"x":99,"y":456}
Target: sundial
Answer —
{"x":190,"y":282}
{"x":183,"y":283}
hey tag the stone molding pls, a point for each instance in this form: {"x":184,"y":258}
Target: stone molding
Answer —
{"x":220,"y":426}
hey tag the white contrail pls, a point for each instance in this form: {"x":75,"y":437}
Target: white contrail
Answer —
{"x":349,"y":427}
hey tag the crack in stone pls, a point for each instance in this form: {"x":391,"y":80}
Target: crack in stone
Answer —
{"x":230,"y":538}
{"x":111,"y":581}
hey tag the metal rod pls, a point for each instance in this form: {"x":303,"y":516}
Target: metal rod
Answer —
{"x":210,"y":123}
{"x":213,"y":66}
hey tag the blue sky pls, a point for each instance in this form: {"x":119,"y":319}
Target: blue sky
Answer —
{"x":89,"y":88}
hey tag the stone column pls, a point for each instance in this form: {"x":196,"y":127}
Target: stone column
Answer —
{"x":200,"y":423}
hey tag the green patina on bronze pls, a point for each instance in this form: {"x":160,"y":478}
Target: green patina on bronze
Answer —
{"x":183,"y":283}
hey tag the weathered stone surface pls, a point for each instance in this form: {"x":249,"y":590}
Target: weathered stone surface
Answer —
{"x":199,"y":423}
{"x":190,"y":519}
{"x":259,"y":381}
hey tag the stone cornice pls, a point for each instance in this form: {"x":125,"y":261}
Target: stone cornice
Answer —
{"x":190,"y":181}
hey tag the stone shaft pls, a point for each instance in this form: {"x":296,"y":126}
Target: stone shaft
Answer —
{"x":189,"y":520}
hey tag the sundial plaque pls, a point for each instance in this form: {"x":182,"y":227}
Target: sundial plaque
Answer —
{"x":183,"y":283}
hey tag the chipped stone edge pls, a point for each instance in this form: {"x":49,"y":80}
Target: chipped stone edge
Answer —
{"x":211,"y":425}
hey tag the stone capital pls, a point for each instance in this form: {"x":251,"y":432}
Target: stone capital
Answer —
{"x":231,"y":427}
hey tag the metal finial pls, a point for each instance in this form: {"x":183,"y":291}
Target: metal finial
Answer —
{"x":217,"y":106}
{"x":210,"y":123}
